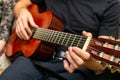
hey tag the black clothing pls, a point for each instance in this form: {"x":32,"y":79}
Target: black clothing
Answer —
{"x":100,"y":17}
{"x":23,"y":69}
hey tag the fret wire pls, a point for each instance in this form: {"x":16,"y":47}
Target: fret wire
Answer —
{"x":79,"y":41}
{"x":57,"y":40}
{"x":67,"y":39}
{"x":62,"y":38}
{"x":73,"y":38}
{"x":54,"y":37}
{"x":70,"y":40}
{"x":35,"y":35}
{"x":76,"y":40}
{"x":82,"y":42}
{"x":57,"y":32}
{"x":46,"y":36}
{"x":43,"y":33}
{"x":50,"y":36}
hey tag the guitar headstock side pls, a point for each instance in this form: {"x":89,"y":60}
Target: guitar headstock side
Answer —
{"x":105,"y":50}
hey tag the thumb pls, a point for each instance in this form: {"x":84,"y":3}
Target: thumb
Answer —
{"x":86,"y":34}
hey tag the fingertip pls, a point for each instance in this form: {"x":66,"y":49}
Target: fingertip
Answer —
{"x":65,"y":63}
{"x":83,"y":32}
{"x":67,"y":67}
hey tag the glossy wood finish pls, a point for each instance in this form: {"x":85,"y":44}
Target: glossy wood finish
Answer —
{"x":41,"y":50}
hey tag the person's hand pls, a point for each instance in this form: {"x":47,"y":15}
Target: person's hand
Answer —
{"x":2,"y":44}
{"x":24,"y":23}
{"x":76,"y":57}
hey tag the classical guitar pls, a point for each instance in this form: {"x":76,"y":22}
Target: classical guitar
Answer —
{"x":49,"y":34}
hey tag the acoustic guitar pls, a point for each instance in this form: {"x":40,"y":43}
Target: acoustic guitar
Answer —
{"x":49,"y":35}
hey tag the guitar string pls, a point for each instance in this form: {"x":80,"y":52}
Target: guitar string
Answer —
{"x":51,"y":33}
{"x":72,"y":39}
{"x":97,"y":52}
{"x":59,"y":36}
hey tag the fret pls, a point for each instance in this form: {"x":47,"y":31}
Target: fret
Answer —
{"x":79,"y":39}
{"x":76,"y":40}
{"x":68,"y":37}
{"x":45,"y":36}
{"x":73,"y":39}
{"x":82,"y":42}
{"x":54,"y":37}
{"x":69,"y":40}
{"x":50,"y":36}
{"x":60,"y":38}
{"x":42,"y":34}
{"x":45,"y":33}
{"x":38,"y":34}
{"x":57,"y":39}
{"x":63,"y":39}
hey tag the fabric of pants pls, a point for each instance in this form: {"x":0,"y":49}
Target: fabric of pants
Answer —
{"x":24,"y":69}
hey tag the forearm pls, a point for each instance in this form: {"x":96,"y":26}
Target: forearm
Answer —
{"x":20,"y":6}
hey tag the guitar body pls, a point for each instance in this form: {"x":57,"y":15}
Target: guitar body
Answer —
{"x":34,"y":47}
{"x":46,"y":38}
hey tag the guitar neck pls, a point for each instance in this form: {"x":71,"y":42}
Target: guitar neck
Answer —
{"x":85,"y":43}
{"x":61,"y":38}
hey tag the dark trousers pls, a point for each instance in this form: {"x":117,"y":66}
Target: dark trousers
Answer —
{"x":24,"y":69}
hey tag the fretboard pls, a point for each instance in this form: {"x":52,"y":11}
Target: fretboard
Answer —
{"x":61,"y":38}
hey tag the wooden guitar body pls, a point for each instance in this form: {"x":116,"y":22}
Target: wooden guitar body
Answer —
{"x":49,"y":34}
{"x":35,"y":47}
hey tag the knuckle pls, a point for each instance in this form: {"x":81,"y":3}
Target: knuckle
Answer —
{"x":87,"y":57}
{"x":80,"y":63}
{"x":75,"y":67}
